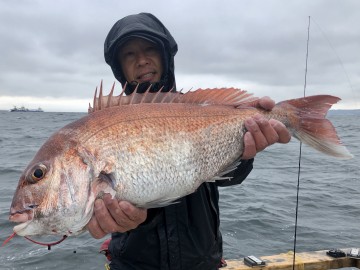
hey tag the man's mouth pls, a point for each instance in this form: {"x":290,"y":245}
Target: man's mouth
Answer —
{"x":146,"y":77}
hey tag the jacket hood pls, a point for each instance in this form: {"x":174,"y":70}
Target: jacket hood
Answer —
{"x":146,"y":26}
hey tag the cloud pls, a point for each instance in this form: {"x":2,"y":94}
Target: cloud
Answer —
{"x":55,"y":49}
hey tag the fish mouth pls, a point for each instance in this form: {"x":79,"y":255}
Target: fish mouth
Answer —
{"x":18,"y":228}
{"x":23,"y":215}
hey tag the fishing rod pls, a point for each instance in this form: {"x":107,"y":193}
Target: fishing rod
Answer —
{"x":300,"y":150}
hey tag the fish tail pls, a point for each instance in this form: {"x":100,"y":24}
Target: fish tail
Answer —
{"x":309,"y":125}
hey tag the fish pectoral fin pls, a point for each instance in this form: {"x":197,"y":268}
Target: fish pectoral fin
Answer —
{"x":105,"y":183}
{"x":162,"y":202}
{"x":108,"y":178}
{"x":108,"y":167}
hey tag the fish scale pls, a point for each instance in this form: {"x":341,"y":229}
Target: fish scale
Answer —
{"x":161,"y":155}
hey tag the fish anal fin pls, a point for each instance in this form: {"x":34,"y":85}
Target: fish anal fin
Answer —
{"x":226,"y":170}
{"x":160,"y":203}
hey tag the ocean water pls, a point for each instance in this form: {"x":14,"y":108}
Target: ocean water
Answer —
{"x":257,"y":217}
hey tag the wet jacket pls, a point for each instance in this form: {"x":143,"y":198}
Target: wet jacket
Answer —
{"x":184,"y":235}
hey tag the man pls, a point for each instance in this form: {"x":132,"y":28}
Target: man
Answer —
{"x":140,"y":51}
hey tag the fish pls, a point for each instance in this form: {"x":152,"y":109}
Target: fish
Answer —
{"x":151,"y":149}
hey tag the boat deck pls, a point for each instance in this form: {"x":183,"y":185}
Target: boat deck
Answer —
{"x":316,"y":260}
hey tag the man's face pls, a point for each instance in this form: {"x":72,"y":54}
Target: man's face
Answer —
{"x":140,"y":61}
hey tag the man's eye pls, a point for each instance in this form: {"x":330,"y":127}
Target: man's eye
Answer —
{"x":151,"y":49}
{"x":127,"y":54}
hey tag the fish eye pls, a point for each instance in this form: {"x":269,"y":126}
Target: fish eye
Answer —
{"x":38,"y":173}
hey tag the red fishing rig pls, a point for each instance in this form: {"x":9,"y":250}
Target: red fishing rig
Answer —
{"x":49,"y":245}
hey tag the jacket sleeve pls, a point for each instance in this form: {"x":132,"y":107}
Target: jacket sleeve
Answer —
{"x":154,"y":215}
{"x":238,"y":175}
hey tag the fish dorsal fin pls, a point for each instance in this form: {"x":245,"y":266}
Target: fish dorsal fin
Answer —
{"x":215,"y":96}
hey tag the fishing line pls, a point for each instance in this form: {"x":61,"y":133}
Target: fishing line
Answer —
{"x":304,"y":93}
{"x":337,"y":56}
{"x":300,"y":148}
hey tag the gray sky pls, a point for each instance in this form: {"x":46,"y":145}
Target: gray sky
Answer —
{"x":51,"y":52}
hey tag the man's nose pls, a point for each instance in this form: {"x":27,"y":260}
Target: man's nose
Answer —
{"x":142,"y":59}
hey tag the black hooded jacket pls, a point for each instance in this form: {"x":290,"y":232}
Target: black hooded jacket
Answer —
{"x":184,"y":235}
{"x":146,"y":26}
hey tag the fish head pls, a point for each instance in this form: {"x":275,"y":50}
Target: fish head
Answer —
{"x":54,"y":193}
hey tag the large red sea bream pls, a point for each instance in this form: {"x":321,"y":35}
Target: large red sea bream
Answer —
{"x":150,"y":149}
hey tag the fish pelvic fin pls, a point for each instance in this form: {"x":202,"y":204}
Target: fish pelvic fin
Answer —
{"x":215,"y":96}
{"x":309,"y":125}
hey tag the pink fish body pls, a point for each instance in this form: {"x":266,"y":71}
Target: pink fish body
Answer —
{"x":150,"y":149}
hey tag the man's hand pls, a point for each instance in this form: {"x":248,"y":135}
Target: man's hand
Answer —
{"x":110,"y":216}
{"x":262,"y":132}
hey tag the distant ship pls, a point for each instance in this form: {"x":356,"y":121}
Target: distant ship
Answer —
{"x":23,"y":109}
